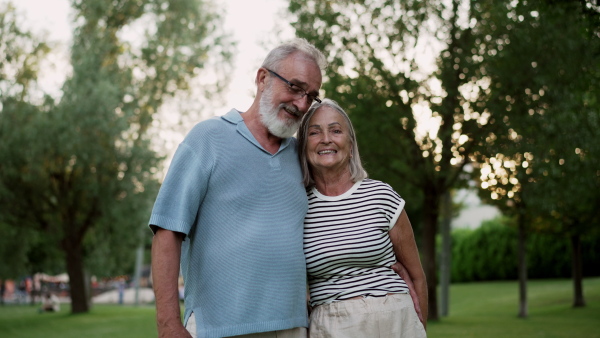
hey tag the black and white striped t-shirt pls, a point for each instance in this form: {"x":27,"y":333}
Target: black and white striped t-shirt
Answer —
{"x":346,"y":243}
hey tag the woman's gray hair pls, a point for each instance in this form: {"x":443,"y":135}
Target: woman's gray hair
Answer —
{"x":357,"y":172}
{"x":281,"y":52}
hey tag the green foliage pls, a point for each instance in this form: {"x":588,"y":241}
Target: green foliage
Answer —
{"x":542,"y":161}
{"x":364,"y":78}
{"x":549,"y":256}
{"x":418,"y":123}
{"x":486,"y":253}
{"x":514,"y":88}
{"x":20,"y":54}
{"x":22,"y":250}
{"x":25,"y":252}
{"x":81,"y":172}
{"x":490,"y":253}
{"x":544,"y":86}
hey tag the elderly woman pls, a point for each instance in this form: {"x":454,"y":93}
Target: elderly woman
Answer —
{"x":356,"y":228}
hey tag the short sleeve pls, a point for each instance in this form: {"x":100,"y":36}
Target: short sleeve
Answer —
{"x":184,"y":187}
{"x":393,"y":205}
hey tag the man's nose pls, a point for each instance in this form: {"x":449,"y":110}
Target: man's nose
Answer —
{"x":302,"y":104}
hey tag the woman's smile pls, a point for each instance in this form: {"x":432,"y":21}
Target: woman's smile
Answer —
{"x":328,"y":140}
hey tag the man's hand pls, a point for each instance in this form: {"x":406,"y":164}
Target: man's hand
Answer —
{"x":173,"y":331}
{"x":402,"y":272}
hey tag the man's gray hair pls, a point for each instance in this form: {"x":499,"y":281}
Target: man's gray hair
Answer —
{"x":357,"y":172}
{"x":281,"y":52}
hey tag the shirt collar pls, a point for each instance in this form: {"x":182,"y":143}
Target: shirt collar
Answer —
{"x":234,"y":116}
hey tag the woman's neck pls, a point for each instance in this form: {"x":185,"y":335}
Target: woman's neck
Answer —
{"x":333,"y":183}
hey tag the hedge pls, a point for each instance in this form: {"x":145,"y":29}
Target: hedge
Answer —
{"x":490,"y":253}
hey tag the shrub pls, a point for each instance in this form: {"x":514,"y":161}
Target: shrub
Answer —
{"x":490,"y":253}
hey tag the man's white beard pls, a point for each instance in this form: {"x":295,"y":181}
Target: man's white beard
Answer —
{"x":282,"y":128}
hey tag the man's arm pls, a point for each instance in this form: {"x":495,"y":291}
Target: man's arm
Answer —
{"x":166,"y":252}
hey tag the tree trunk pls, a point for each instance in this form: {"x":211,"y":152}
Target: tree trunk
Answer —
{"x":78,"y":281}
{"x":446,"y":255}
{"x":578,"y":300}
{"x":430,"y":219}
{"x":522,"y":252}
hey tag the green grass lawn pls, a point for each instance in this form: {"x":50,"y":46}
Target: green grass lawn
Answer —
{"x":487,"y":309}
{"x":112,"y":321}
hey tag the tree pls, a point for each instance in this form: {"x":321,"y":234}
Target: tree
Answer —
{"x":82,"y":170}
{"x":544,"y":87}
{"x":376,"y":49}
{"x":20,"y":56}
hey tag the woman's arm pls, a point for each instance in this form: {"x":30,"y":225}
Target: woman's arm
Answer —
{"x":402,"y":272}
{"x":405,"y":248}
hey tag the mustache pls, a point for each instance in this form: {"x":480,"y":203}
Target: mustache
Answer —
{"x":291,"y":108}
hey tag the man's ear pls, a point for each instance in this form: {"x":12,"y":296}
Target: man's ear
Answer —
{"x":262,"y":76}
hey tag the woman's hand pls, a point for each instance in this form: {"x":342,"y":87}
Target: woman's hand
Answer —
{"x":402,"y":272}
{"x":407,"y":254}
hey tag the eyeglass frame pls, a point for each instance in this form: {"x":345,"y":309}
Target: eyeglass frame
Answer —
{"x":292,"y":86}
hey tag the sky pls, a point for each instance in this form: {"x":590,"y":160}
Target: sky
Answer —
{"x":253,"y":26}
{"x":256,"y":26}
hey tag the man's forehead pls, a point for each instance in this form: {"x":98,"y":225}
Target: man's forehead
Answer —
{"x":300,"y":63}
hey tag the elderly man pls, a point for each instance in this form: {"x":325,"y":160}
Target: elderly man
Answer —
{"x":231,"y":210}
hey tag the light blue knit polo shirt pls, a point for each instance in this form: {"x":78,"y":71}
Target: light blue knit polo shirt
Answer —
{"x":242,"y":210}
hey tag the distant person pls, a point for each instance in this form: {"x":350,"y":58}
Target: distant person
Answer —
{"x":231,"y":211}
{"x":2,"y":291}
{"x":121,"y":290}
{"x":50,"y":303}
{"x":355,"y":229}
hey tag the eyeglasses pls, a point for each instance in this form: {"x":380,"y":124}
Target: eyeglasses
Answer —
{"x":296,"y":90}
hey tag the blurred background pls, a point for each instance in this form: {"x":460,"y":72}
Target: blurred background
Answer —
{"x":484,"y":115}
